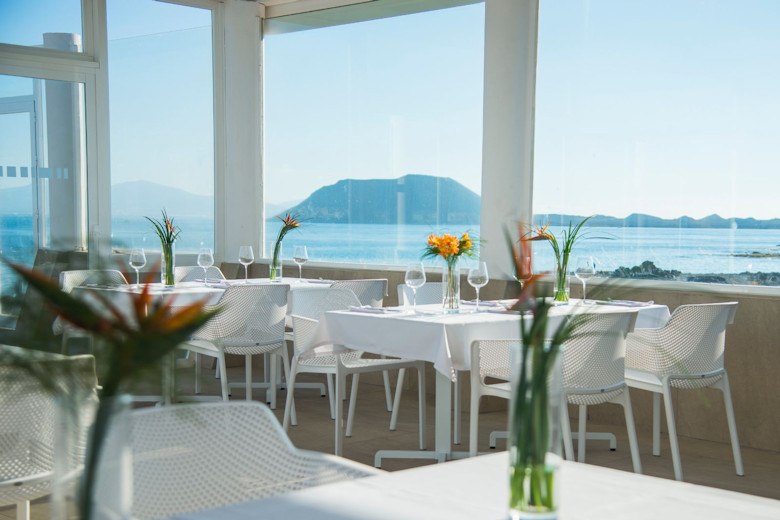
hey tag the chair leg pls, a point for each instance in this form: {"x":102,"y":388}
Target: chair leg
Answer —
{"x":288,"y":404}
{"x":352,"y":401}
{"x":670,"y":423}
{"x":723,"y":384}
{"x":421,"y":405}
{"x":388,"y":391}
{"x":23,"y":510}
{"x":223,"y":381}
{"x":581,"y":439}
{"x":456,"y":422}
{"x":568,"y":445}
{"x":397,"y":400}
{"x":272,"y":388}
{"x":248,"y":376}
{"x":286,"y":368}
{"x":474,"y":418}
{"x":197,"y":373}
{"x":625,"y":400}
{"x":331,"y":392}
{"x":338,"y":440}
{"x":657,"y":424}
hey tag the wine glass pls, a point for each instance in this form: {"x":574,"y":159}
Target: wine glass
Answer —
{"x":245,"y":257}
{"x":300,"y":257}
{"x":205,"y":260}
{"x":415,"y":278}
{"x":137,"y":261}
{"x":584,"y":271}
{"x":478,"y":278}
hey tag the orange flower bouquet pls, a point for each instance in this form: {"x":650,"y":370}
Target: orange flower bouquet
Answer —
{"x":289,"y":222}
{"x":450,"y":248}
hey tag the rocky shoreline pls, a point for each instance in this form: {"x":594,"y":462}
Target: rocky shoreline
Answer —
{"x":648,"y":271}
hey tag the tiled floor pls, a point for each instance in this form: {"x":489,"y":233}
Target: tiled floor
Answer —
{"x":705,"y":463}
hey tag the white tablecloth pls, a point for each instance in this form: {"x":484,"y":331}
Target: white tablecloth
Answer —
{"x":477,"y":488}
{"x":443,"y":339}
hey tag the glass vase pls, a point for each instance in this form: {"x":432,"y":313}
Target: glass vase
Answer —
{"x":275,"y":266}
{"x":451,"y":286}
{"x":168,"y":264}
{"x":561,"y":286}
{"x":535,"y":432}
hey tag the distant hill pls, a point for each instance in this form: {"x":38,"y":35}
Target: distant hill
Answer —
{"x":412,"y":199}
{"x":148,"y":198}
{"x":648,"y":221}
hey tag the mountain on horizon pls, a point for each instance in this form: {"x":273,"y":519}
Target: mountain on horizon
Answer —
{"x":411,"y":199}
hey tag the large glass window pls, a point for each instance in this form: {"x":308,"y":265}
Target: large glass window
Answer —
{"x":54,"y":24}
{"x":373,"y":133}
{"x":162,"y":128}
{"x":660,"y":117}
{"x":42,"y":176}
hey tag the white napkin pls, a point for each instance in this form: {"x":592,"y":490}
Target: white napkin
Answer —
{"x":329,"y":282}
{"x":374,"y":310}
{"x":484,"y":303}
{"x":213,"y":281}
{"x":626,"y":303}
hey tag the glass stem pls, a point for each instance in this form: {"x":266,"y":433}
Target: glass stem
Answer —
{"x":300,"y":271}
{"x":584,"y":283}
{"x":414,"y":299}
{"x":246,"y":273}
{"x":137,"y":278}
{"x":477,"y":309}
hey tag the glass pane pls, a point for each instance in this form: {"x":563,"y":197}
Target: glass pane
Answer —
{"x":373,"y":134}
{"x":162,"y":129}
{"x":42,"y":176}
{"x":53,"y":24}
{"x":669,"y":139}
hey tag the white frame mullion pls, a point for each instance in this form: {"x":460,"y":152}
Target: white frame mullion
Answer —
{"x":220,"y":125}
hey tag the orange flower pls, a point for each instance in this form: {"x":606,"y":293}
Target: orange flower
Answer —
{"x":449,"y":246}
{"x":290,"y":221}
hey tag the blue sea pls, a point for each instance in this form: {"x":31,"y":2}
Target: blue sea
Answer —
{"x":697,"y":251}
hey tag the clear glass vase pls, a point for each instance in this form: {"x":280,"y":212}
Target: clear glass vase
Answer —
{"x":168,"y":264}
{"x":451,"y":286}
{"x":535,"y":432}
{"x":561,"y":286}
{"x":275,"y":266}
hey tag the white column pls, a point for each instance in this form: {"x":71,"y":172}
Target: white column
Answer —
{"x":238,"y":195}
{"x":508,"y":126}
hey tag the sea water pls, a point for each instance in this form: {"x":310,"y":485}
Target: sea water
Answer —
{"x":698,"y":251}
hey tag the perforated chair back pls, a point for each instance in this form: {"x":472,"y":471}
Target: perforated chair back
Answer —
{"x":312,"y":303}
{"x":30,"y":420}
{"x":370,"y":292}
{"x":429,"y":293}
{"x":594,"y":357}
{"x":692,"y":342}
{"x":71,"y":279}
{"x":189,"y":458}
{"x":190,"y":273}
{"x":492,"y":357}
{"x":252,"y":318}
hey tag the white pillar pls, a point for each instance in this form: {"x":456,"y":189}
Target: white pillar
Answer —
{"x":64,"y":151}
{"x":508,"y":126}
{"x":238,"y":195}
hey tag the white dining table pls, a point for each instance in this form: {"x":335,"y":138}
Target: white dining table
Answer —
{"x":444,"y":340}
{"x":478,"y":488}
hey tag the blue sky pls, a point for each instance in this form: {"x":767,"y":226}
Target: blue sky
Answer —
{"x":661,"y":107}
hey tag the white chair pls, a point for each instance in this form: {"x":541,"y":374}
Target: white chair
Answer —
{"x":594,"y":373}
{"x":340,"y":366}
{"x":194,"y":457}
{"x":72,"y":279}
{"x":489,"y":359}
{"x":251,"y":322}
{"x":370,"y":291}
{"x":686,"y":353}
{"x":190,"y":273}
{"x":30,"y":421}
{"x":429,"y":293}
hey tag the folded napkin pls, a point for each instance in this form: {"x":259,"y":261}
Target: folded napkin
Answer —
{"x":217,"y":281}
{"x":374,"y":310}
{"x":626,"y":303}
{"x":328,"y":282}
{"x":484,"y":303}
